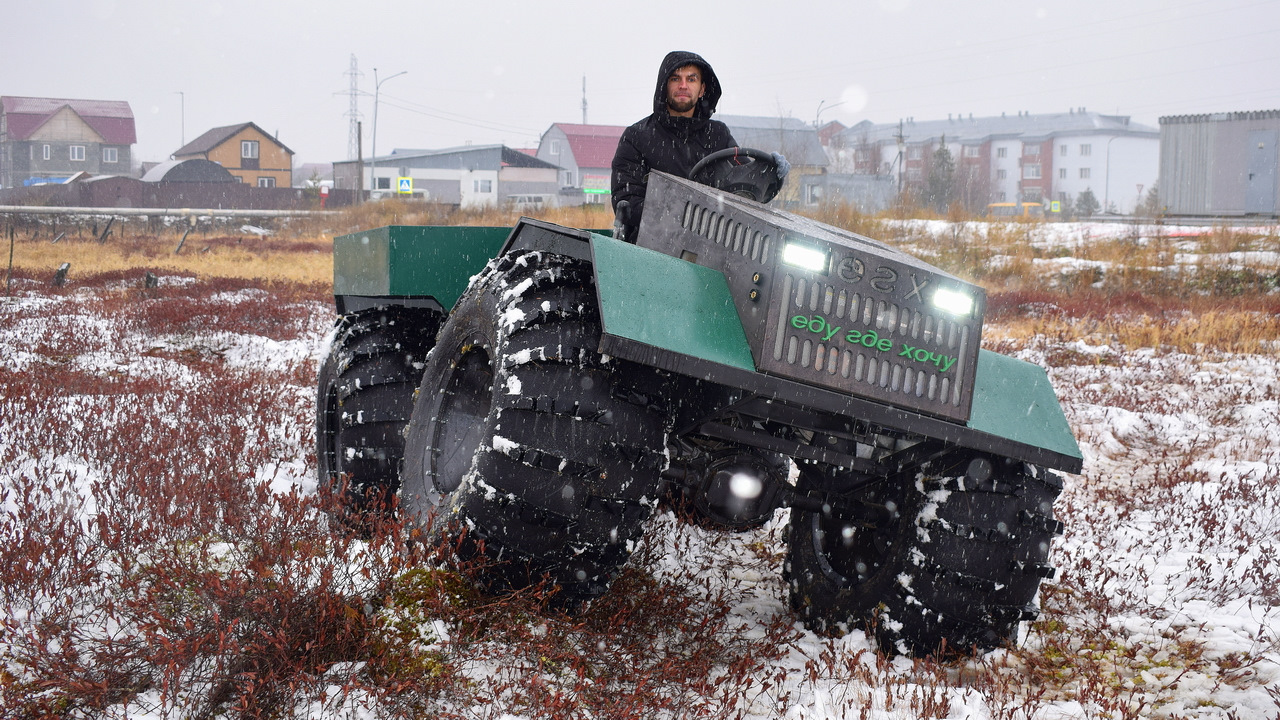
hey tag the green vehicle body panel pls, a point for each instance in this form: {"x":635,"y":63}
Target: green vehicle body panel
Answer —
{"x":688,"y":311}
{"x":663,"y":302}
{"x":409,"y":260}
{"x":1014,"y":399}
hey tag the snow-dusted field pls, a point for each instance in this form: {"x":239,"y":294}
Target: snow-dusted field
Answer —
{"x":1167,"y":601}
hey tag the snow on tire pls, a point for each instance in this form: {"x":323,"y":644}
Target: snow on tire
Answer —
{"x":947,"y":559}
{"x":528,"y":442}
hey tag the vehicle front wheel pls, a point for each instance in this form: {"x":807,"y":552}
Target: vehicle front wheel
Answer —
{"x":525,"y":441}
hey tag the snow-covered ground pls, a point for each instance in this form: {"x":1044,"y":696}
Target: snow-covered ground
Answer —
{"x":1167,"y":601}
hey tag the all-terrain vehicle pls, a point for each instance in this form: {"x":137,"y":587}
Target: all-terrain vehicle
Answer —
{"x":539,"y":390}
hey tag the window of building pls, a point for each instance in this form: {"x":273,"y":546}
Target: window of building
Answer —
{"x":1030,"y":148}
{"x":249,"y":149}
{"x":914,"y":174}
{"x":915,"y":152}
{"x":1002,"y":197}
{"x":812,"y":194}
{"x":1031,"y":171}
{"x":555,"y":147}
{"x":1062,"y":150}
{"x":1062,"y":173}
{"x":382,"y":183}
{"x":1032,"y":195}
{"x":971,"y":150}
{"x":48,"y":151}
{"x":1086,"y":149}
{"x":110,"y":155}
{"x":568,"y":178}
{"x":1084,"y":173}
{"x":1002,"y":152}
{"x":1002,"y":174}
{"x":77,"y":152}
{"x":266,"y":182}
{"x":483,"y":186}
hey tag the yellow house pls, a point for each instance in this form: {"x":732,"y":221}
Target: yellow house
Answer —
{"x":246,"y":151}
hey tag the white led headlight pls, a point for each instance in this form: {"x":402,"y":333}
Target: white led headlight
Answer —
{"x":804,"y":256}
{"x":956,"y":303}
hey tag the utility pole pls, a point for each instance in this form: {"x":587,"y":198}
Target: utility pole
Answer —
{"x":902,"y":144}
{"x":353,"y":111}
{"x":584,"y":99}
{"x":182,"y":97}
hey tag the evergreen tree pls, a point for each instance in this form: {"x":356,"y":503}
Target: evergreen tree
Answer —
{"x":1086,"y":204}
{"x":942,"y":172}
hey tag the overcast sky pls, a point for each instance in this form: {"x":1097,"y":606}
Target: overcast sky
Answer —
{"x":504,"y":71}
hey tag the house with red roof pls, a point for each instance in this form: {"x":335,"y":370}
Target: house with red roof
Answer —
{"x":44,"y":140}
{"x":585,"y":156}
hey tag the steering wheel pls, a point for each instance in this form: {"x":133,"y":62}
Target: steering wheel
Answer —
{"x":745,"y":172}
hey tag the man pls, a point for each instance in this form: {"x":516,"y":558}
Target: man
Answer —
{"x":678,"y":134}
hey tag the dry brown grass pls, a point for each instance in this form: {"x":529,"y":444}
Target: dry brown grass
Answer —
{"x":298,"y":250}
{"x":249,"y":257}
{"x":1183,"y":293}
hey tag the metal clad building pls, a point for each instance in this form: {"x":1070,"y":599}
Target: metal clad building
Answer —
{"x":1220,"y":163}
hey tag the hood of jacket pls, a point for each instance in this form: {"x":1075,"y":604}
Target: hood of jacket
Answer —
{"x":706,"y":106}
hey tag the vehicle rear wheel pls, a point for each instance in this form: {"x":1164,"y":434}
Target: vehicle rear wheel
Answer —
{"x":526,"y":442}
{"x":948,"y":559}
{"x":366,"y":390}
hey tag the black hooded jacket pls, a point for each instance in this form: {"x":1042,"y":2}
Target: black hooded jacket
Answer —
{"x":667,"y":142}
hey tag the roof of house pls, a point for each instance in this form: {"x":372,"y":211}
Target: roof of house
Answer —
{"x":1021,"y":125}
{"x":507,"y":156}
{"x":515,"y":158}
{"x":593,"y":146}
{"x":112,"y":119}
{"x":794,"y":138}
{"x":216,"y":136}
{"x":189,"y":170}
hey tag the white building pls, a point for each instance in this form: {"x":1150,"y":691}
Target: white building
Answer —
{"x":472,"y":176}
{"x":1016,"y":158}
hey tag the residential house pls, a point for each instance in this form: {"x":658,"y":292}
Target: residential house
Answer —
{"x":1016,"y":158}
{"x":51,"y":139}
{"x":795,"y":139}
{"x":247,"y":151}
{"x":472,"y":176}
{"x":584,"y":154}
{"x":1220,"y":163}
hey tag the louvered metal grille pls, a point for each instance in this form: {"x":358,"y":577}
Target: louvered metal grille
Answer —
{"x":890,"y":375}
{"x":730,"y":234}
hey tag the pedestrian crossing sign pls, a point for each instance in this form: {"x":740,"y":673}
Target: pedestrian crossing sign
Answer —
{"x":404,"y":185}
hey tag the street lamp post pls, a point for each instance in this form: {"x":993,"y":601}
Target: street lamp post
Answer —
{"x":373,"y":172}
{"x":817,"y":117}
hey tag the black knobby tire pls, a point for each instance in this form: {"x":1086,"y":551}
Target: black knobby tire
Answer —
{"x":365,"y":398}
{"x":947,"y":559}
{"x":529,"y":443}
